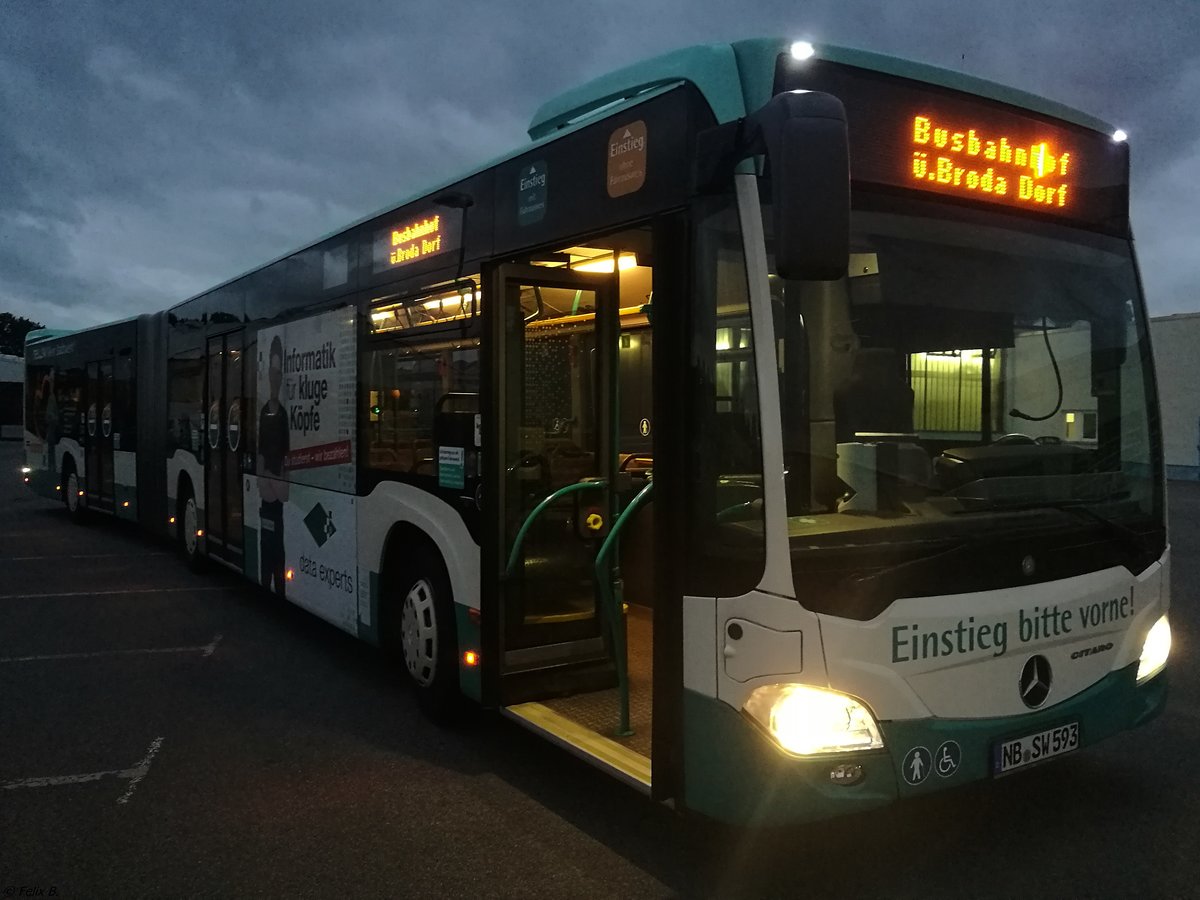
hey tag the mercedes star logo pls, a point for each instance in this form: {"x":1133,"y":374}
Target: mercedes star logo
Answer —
{"x":1035,"y":681}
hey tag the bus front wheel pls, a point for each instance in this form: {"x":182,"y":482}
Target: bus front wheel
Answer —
{"x":424,"y":633}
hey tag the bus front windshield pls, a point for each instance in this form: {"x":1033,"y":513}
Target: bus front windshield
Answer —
{"x":971,"y":408}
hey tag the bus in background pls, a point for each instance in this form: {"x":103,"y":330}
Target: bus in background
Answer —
{"x":777,"y":431}
{"x":12,"y":380}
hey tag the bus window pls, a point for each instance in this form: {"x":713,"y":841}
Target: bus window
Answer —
{"x":185,"y":394}
{"x":404,"y":384}
{"x":726,"y":497}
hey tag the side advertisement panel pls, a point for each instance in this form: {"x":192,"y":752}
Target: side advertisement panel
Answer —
{"x":306,"y":380}
{"x":302,"y":498}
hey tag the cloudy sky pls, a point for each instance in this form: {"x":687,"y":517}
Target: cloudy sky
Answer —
{"x":153,"y":148}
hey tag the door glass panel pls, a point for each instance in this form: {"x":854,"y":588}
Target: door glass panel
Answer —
{"x":551,"y":441}
{"x":213,"y":415}
{"x":94,"y":476}
{"x":231,"y":444}
{"x":105,"y":433}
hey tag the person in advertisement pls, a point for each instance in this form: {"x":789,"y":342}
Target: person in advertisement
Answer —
{"x":273,"y":445}
{"x":50,"y":399}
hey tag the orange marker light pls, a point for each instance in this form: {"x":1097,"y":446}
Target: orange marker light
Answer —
{"x":81,"y":493}
{"x":471,"y":658}
{"x":289,"y":574}
{"x":126,"y":504}
{"x":58,"y":487}
{"x":171,"y":521}
{"x":199,"y":532}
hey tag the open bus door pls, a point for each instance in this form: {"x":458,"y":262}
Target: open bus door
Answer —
{"x":557,"y":492}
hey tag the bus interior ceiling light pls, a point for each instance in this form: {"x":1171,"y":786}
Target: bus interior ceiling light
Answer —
{"x":806,"y":720}
{"x":802,"y":50}
{"x":626,"y":261}
{"x":1155,"y":649}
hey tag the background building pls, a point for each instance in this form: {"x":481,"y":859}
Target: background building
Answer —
{"x":1176,"y":342}
{"x":12,"y":377}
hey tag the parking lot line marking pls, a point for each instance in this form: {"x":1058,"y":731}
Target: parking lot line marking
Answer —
{"x":134,"y":774}
{"x":87,"y":556}
{"x":51,"y":780}
{"x":212,"y":645}
{"x":174,"y":590}
{"x":205,"y":650}
{"x":139,"y":771}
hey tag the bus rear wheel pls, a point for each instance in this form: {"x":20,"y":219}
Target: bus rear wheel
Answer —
{"x":424,"y":633}
{"x":188,"y":518}
{"x":73,"y":496}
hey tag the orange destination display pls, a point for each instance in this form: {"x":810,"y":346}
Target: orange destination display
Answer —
{"x":968,"y":160}
{"x":910,"y":135}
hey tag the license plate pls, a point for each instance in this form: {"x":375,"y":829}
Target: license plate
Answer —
{"x":1034,"y":748}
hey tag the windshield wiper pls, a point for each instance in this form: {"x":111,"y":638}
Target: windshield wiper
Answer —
{"x":942,"y":555}
{"x":1139,"y":540}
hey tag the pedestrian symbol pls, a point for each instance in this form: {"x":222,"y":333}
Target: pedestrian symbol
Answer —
{"x":948,"y":756}
{"x":916,"y":765}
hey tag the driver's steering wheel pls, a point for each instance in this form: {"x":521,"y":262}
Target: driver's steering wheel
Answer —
{"x":1014,"y":438}
{"x":1017,"y":438}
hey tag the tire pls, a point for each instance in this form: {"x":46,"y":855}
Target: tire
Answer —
{"x":188,"y":518}
{"x":423,"y":634}
{"x":75,"y":503}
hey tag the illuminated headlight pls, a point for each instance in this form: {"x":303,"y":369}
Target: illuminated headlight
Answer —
{"x":1155,"y":650}
{"x":25,"y":470}
{"x":808,"y":720}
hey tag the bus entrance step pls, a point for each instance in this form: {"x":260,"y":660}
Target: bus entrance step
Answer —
{"x":558,"y":680}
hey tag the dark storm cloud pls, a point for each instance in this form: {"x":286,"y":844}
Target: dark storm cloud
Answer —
{"x":152,"y":149}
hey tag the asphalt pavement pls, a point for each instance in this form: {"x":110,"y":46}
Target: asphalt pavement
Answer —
{"x":169,"y":734}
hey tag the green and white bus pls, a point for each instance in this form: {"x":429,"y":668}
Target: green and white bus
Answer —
{"x":776,"y":431}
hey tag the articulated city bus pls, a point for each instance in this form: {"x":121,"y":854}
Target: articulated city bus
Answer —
{"x":776,"y":431}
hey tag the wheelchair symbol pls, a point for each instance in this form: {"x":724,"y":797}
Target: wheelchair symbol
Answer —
{"x":947,"y":758}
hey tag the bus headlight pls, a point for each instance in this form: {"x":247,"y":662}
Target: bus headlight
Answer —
{"x":808,"y":720}
{"x":1155,"y":650}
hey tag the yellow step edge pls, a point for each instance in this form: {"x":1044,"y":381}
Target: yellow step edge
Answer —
{"x":627,"y":765}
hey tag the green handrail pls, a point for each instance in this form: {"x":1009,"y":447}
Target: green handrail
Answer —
{"x":613,"y":604}
{"x":537,"y":511}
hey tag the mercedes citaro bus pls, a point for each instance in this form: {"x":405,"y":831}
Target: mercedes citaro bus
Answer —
{"x":776,"y":431}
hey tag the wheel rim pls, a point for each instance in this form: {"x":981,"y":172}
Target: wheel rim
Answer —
{"x":72,"y":492}
{"x":189,"y":526}
{"x":418,"y":633}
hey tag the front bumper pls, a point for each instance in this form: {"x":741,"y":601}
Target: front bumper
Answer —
{"x":734,"y":773}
